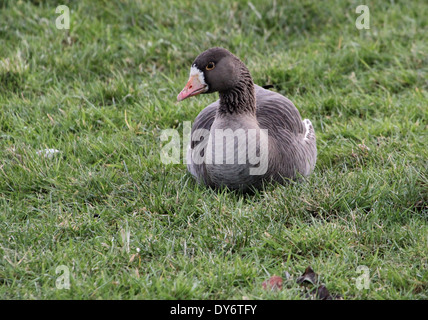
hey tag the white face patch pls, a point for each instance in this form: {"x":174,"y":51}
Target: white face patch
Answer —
{"x":194,"y":71}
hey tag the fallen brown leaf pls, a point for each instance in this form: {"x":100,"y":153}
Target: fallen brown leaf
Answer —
{"x":322,"y":293}
{"x":308,"y":277}
{"x":274,"y":283}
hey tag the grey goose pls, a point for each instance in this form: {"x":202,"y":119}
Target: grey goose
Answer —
{"x":250,"y":135}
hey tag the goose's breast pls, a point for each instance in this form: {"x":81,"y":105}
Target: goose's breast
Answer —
{"x":237,"y":152}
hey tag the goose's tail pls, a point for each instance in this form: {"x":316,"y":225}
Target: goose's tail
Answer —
{"x":310,"y":145}
{"x":310,"y":132}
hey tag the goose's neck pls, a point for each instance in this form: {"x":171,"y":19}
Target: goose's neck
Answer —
{"x":241,"y":99}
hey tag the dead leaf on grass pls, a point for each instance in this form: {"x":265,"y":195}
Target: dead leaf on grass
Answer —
{"x":274,"y":283}
{"x":308,"y":277}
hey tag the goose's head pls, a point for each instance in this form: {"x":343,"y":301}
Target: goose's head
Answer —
{"x":214,"y":70}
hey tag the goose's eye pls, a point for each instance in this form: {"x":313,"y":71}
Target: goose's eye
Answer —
{"x":210,"y":66}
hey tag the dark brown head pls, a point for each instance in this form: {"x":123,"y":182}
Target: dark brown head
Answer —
{"x":214,"y":70}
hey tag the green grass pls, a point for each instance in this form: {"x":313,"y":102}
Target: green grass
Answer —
{"x":103,"y":91}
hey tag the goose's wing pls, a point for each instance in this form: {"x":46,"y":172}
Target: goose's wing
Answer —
{"x":276,"y":112}
{"x":293,"y":142}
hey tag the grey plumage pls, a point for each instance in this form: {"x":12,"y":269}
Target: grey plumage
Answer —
{"x":244,"y":106}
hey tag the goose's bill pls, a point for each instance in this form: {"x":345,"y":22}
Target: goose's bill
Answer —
{"x":192,"y":88}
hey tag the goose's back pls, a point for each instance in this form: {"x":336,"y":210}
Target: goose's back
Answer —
{"x":292,"y":141}
{"x":276,"y":112}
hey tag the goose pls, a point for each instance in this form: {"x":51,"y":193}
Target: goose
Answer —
{"x":250,"y":135}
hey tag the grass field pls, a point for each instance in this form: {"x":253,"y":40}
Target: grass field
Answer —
{"x":126,"y":226}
